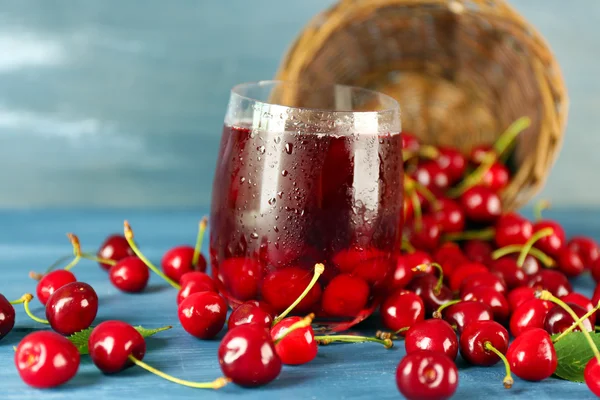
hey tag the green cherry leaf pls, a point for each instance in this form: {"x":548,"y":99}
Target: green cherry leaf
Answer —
{"x":80,"y":339}
{"x":573,"y":353}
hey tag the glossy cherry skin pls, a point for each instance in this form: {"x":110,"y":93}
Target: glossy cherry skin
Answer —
{"x":178,"y":261}
{"x":52,"y":281}
{"x":247,"y":356}
{"x":7,"y":316}
{"x":586,"y":248}
{"x":402,"y":309}
{"x":434,"y":335}
{"x":430,"y":175}
{"x":370,"y":264}
{"x":496,"y":178}
{"x":496,"y":301}
{"x":403,"y":274}
{"x":582,"y":301}
{"x":553,"y":243}
{"x":558,"y":320}
{"x":481,"y":204}
{"x":463,"y":272}
{"x":452,"y":162}
{"x":112,"y":342}
{"x":569,"y":262}
{"x":511,"y":229}
{"x":249,"y":313}
{"x":553,"y":281}
{"x":241,"y":277}
{"x":427,"y":375}
{"x":479,"y":251}
{"x":484,"y":279}
{"x":449,"y":216}
{"x":346,"y":260}
{"x":129,"y":275}
{"x":529,"y":315}
{"x":203,"y":314}
{"x":532,"y":356}
{"x":345,"y":296}
{"x":410,"y":142}
{"x":466,"y":312}
{"x":591,"y":374}
{"x":428,"y":237}
{"x":449,"y":256}
{"x":520,"y":295}
{"x":72,"y":308}
{"x":114,"y":248}
{"x":195,"y":282}
{"x":296,"y":348}
{"x":45,"y":359}
{"x":282,"y":287}
{"x":424,"y":285}
{"x":507,"y":269}
{"x":474,"y":337}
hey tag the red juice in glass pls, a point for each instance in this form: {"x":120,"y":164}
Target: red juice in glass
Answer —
{"x":308,"y":176}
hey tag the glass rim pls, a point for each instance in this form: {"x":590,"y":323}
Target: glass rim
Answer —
{"x":390,"y":104}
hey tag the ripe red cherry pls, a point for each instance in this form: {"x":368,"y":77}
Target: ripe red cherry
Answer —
{"x":427,"y":287}
{"x":282,"y":287}
{"x":558,"y":320}
{"x":496,"y":301}
{"x":465,"y":312}
{"x":370,"y":264}
{"x":241,"y":277}
{"x":474,"y":337}
{"x":479,"y":153}
{"x":553,"y":243}
{"x":479,"y":251}
{"x":591,"y":374}
{"x":112,"y":342}
{"x":430,"y":175}
{"x":114,"y":248}
{"x":129,"y":275}
{"x":405,"y":263}
{"x":249,"y":313}
{"x":72,"y":308}
{"x":483,"y":279}
{"x":463,"y":272}
{"x":449,"y":256}
{"x":410,"y":142}
{"x":45,"y":359}
{"x":582,"y":301}
{"x":178,"y":261}
{"x":7,"y":316}
{"x":553,"y":281}
{"x":496,"y":178}
{"x":345,"y":296}
{"x":297,"y":347}
{"x":510,"y":272}
{"x":529,"y":315}
{"x":346,"y":260}
{"x":452,"y":162}
{"x":434,"y":335}
{"x":532,"y":356}
{"x":586,"y":248}
{"x":511,"y":229}
{"x":449,"y":216}
{"x":428,"y":237}
{"x":402,"y":309}
{"x":481,"y":204}
{"x":195,"y":282}
{"x":247,"y":356}
{"x":427,"y":375}
{"x":203,"y":314}
{"x":51,"y":282}
{"x":520,"y":295}
{"x":569,"y":262}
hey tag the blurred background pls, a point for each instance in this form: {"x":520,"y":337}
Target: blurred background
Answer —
{"x":120,"y":104}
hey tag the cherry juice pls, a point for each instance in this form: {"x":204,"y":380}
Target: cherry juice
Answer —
{"x":283,"y":201}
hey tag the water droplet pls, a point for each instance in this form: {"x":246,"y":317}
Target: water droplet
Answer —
{"x":261,"y":149}
{"x":242,"y":179}
{"x":272,"y":201}
{"x":284,"y":173}
{"x":276,"y":229}
{"x":280,"y":194}
{"x":254,"y":235}
{"x":289,"y":148}
{"x":277,"y":139}
{"x":276,"y":217}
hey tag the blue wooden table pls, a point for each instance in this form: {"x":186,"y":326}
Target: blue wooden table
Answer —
{"x":31,"y":240}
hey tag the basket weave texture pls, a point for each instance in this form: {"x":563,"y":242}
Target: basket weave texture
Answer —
{"x":462,"y":71}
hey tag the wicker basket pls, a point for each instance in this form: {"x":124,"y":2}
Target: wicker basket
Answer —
{"x":463,"y":71}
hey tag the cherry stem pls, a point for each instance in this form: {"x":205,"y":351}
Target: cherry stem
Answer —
{"x":510,"y":134}
{"x":516,"y":248}
{"x":22,"y":299}
{"x":539,"y":207}
{"x":129,"y":237}
{"x":424,"y":151}
{"x":216,"y":384}
{"x":25,"y":299}
{"x":575,"y":325}
{"x":37,"y":276}
{"x":303,"y":323}
{"x":57,"y":263}
{"x":483,"y":234}
{"x":91,"y":257}
{"x":438,"y":313}
{"x":546,"y":295}
{"x":508,"y":380}
{"x":390,"y":335}
{"x":418,"y":213}
{"x":440,"y":282}
{"x":529,"y":244}
{"x":406,"y":246}
{"x":387,"y":343}
{"x":199,"y":239}
{"x":76,"y":251}
{"x":319,"y":269}
{"x":475,"y":177}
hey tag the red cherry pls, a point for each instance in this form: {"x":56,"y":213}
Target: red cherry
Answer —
{"x":529,"y":315}
{"x":72,"y":308}
{"x":241,"y":277}
{"x":112,"y":342}
{"x":374,"y":271}
{"x":402,"y":309}
{"x":582,"y":301}
{"x":596,"y":295}
{"x":478,"y":251}
{"x":569,"y":262}
{"x":496,"y":301}
{"x":483,"y":279}
{"x":558,"y":320}
{"x":415,"y":259}
{"x":129,"y":275}
{"x":249,"y":313}
{"x":466,"y":312}
{"x":463,"y":272}
{"x":511,"y":229}
{"x":432,"y":334}
{"x":203,"y":314}
{"x":178,"y":260}
{"x":481,"y":204}
{"x":426,"y":287}
{"x":430,"y":175}
{"x":296,"y":348}
{"x":595,"y":270}
{"x":586,"y":248}
{"x":195,"y":282}
{"x":247,"y":356}
{"x":553,"y":243}
{"x":591,"y":374}
{"x":345,"y":296}
{"x":520,"y":295}
{"x":449,"y":216}
{"x":452,"y":162}
{"x":553,"y":281}
{"x":51,"y":282}
{"x":7,"y":317}
{"x":510,"y":272}
{"x":449,"y":256}
{"x":282,"y":287}
{"x":479,"y":153}
{"x":474,"y":337}
{"x":45,"y":359}
{"x":427,"y":375}
{"x":114,"y":248}
{"x":532,"y":356}
{"x":410,"y":142}
{"x":428,"y":237}
{"x":370,"y":264}
{"x":497,"y":177}
{"x":402,"y":276}
{"x":347,"y":259}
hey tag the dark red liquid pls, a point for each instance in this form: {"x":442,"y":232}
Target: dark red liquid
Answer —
{"x":285,"y":201}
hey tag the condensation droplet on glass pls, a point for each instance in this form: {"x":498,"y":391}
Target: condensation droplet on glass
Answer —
{"x":254,"y":235}
{"x":242,"y":179}
{"x":276,"y":217}
{"x":272,"y":201}
{"x":284,"y":173}
{"x":302,"y":213}
{"x":277,"y":139}
{"x":261,"y":149}
{"x":276,"y":229}
{"x":289,"y":148}
{"x":280,"y":194}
